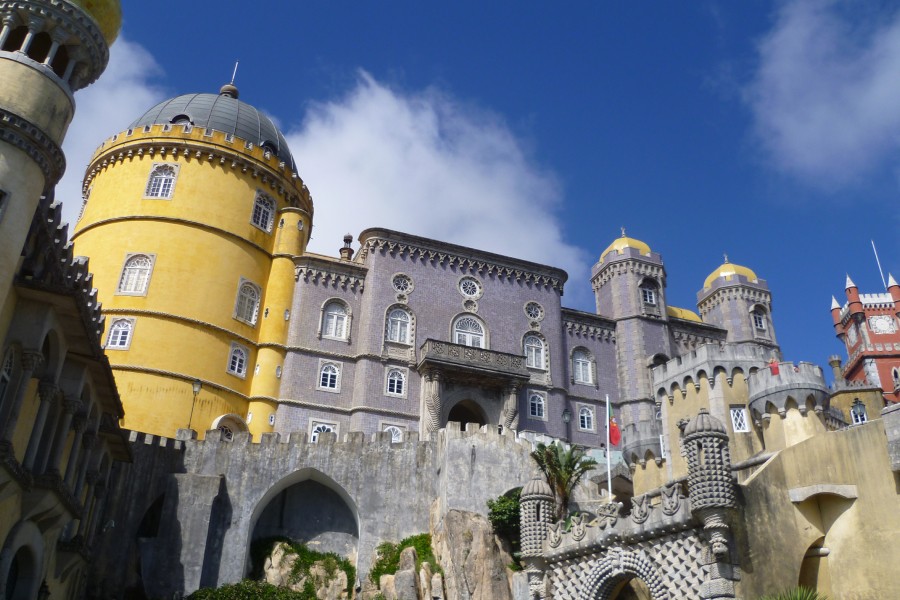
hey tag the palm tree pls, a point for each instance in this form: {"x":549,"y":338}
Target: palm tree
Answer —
{"x":563,"y":469}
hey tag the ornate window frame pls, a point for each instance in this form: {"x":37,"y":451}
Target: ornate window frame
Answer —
{"x":397,"y":430}
{"x":537,"y":405}
{"x":144,"y":279}
{"x":402,"y":283}
{"x":485,"y":333}
{"x":238,"y":359}
{"x":470,"y":287}
{"x":587,"y":362}
{"x":263,"y":214}
{"x":243,"y":311}
{"x":114,"y":339}
{"x":404,"y":381}
{"x":534,"y":311}
{"x":317,"y":426}
{"x":323,"y":320}
{"x":587,"y":417}
{"x":410,"y":337}
{"x":160,"y":173}
{"x":330,"y":387}
{"x":759,"y":320}
{"x":537,"y":355}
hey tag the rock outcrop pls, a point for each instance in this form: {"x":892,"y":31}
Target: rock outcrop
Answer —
{"x":330,"y":583}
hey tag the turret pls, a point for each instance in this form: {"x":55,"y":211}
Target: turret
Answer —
{"x":536,"y":505}
{"x":736,"y":299}
{"x":836,"y":316}
{"x":894,"y":291}
{"x":834,"y":361}
{"x":854,"y":303}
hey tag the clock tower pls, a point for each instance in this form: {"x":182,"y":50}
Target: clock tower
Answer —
{"x":869,"y":326}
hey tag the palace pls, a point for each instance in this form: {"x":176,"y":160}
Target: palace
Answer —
{"x":211,"y":383}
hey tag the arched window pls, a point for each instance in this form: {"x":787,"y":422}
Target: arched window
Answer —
{"x":161,"y":181}
{"x":247,"y":306}
{"x":237,"y":361}
{"x":396,"y":433}
{"x":536,"y":404}
{"x":136,"y":274}
{"x":320,"y":428}
{"x":120,"y":334}
{"x":858,"y":412}
{"x":396,"y":382}
{"x":263,"y":212}
{"x":649,"y":292}
{"x":328,"y":377}
{"x":468,"y":332}
{"x":334,"y":323}
{"x":581,"y":367}
{"x":398,"y":326}
{"x":6,"y":373}
{"x":586,"y":418}
{"x":534,"y":352}
{"x":760,"y":322}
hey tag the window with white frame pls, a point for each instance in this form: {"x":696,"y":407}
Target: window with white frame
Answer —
{"x":398,"y":326}
{"x":739,"y":422}
{"x":536,"y":406}
{"x":329,"y":377}
{"x":759,"y":319}
{"x":396,"y":382}
{"x":534,"y":352}
{"x":858,"y":412}
{"x":468,"y":332}
{"x":586,"y":418}
{"x":396,"y":433}
{"x":581,"y":367}
{"x":648,"y":293}
{"x":6,"y":373}
{"x":120,"y":334}
{"x":161,"y":182}
{"x":317,"y":428}
{"x":237,"y":360}
{"x":263,"y":212}
{"x":246,"y":307}
{"x":334,"y":319}
{"x":136,"y":274}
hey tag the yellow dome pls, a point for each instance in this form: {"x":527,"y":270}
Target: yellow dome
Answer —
{"x":626,"y":242}
{"x":683,"y":313}
{"x":728,"y":270}
{"x":107,"y":14}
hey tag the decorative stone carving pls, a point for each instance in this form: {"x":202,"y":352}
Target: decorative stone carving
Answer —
{"x":640,"y":509}
{"x":671,"y":499}
{"x":608,"y":514}
{"x":578,"y":528}
{"x":554,"y":537}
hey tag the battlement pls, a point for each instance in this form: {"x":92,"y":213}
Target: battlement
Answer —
{"x":158,"y":441}
{"x":804,"y":383}
{"x":707,"y":362}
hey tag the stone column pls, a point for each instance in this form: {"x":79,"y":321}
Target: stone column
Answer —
{"x":79,"y":423}
{"x":30,"y":363}
{"x":8,"y":22}
{"x":70,"y":407}
{"x":90,"y":501}
{"x":89,"y":442}
{"x":96,"y":512}
{"x":433,"y":400}
{"x":48,"y":437}
{"x":48,"y":392}
{"x":511,"y":407}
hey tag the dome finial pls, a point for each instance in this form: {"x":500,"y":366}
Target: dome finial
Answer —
{"x":623,"y":231}
{"x":229,"y":89}
{"x":726,"y":258}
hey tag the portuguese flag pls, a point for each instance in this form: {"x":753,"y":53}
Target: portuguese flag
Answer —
{"x":615,"y":436}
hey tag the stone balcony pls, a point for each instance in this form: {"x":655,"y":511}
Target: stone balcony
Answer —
{"x":479,"y":362}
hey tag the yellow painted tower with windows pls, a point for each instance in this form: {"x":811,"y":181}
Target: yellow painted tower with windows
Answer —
{"x":192,"y":218}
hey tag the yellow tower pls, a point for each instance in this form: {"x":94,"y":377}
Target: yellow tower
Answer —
{"x":192,"y":219}
{"x":48,"y":50}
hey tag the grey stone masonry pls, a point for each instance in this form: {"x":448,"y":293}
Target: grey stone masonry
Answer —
{"x":804,"y":383}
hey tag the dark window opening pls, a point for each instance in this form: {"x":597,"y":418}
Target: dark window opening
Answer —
{"x":16,"y":39}
{"x":40,"y":46}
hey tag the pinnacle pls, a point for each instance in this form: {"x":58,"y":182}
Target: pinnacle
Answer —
{"x":850,"y":283}
{"x":834,"y":303}
{"x":891,"y":281}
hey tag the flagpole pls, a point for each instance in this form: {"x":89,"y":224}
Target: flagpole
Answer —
{"x":608,"y":467}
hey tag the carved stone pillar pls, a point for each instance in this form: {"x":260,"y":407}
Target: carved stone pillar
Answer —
{"x":433,"y":379}
{"x":97,"y":512}
{"x":90,"y":501}
{"x":48,"y":393}
{"x":30,"y":363}
{"x":78,"y":424}
{"x":70,"y":407}
{"x":8,"y":22}
{"x":511,"y":407}
{"x":89,"y":442}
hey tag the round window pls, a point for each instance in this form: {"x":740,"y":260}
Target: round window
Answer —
{"x":402,"y":283}
{"x":534,"y":311}
{"x":470,"y":287}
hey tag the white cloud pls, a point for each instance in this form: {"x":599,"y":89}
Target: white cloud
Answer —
{"x":106,"y":107}
{"x":427,"y":164}
{"x":824,"y":96}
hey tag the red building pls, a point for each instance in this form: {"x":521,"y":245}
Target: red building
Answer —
{"x":868,"y":325}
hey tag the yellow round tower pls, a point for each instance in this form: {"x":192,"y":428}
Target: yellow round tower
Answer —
{"x":192,"y":219}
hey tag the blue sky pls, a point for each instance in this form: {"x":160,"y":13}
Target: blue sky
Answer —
{"x":769,"y":131}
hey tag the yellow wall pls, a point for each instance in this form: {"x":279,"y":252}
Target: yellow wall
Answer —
{"x":203,"y":242}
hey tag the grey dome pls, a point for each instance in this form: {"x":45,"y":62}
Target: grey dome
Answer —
{"x":224,"y":113}
{"x":704,"y":423}
{"x":537,"y":487}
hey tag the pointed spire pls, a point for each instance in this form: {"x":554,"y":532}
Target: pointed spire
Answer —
{"x":834,"y":303}
{"x":891,"y":281}
{"x":850,"y":283}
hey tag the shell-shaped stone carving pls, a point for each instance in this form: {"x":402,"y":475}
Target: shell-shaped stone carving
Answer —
{"x":640,"y":510}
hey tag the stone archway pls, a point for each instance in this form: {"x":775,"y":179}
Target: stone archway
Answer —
{"x":21,"y":561}
{"x":467,"y":411}
{"x":612,"y":573}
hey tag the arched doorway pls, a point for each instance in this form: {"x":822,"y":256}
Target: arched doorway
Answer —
{"x":631,"y":589}
{"x":467,"y":411}
{"x":20,"y":562}
{"x":310,"y":508}
{"x":625,"y":575}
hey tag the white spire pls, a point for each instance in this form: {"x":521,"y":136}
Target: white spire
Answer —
{"x":891,"y":281}
{"x":850,"y":283}
{"x":834,"y":303}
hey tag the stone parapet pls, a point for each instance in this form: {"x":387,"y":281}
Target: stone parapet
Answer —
{"x":798,"y":382}
{"x":706,"y":362}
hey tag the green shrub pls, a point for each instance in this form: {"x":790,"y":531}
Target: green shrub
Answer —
{"x":798,"y":593}
{"x":503,"y":513}
{"x":331,"y":562}
{"x":388,"y":556}
{"x":252,"y":590}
